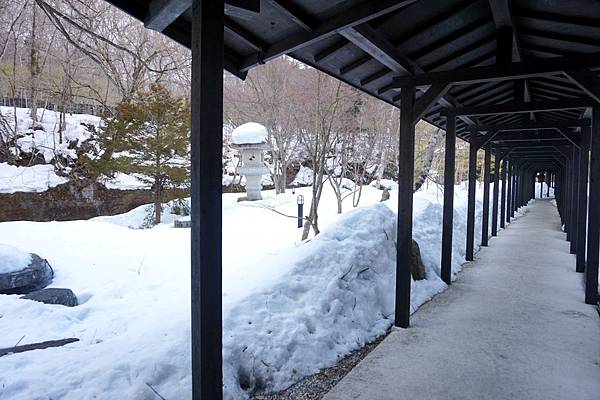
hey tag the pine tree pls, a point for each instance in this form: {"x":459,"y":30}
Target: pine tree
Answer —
{"x":149,"y":138}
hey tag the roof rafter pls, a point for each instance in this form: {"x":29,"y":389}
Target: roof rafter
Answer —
{"x":516,"y":70}
{"x":359,"y":14}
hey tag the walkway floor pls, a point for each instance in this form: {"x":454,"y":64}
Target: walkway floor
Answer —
{"x":513,"y":326}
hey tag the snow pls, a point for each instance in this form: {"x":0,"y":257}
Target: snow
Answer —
{"x":46,"y":139}
{"x":122,"y":181}
{"x":303,"y":177}
{"x":385,"y":183}
{"x":36,"y":178}
{"x":13,"y":259}
{"x":249,"y":133}
{"x":289,"y":307}
{"x":544,"y":186}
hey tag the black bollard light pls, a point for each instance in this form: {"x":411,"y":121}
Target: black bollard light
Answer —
{"x":300,"y":201}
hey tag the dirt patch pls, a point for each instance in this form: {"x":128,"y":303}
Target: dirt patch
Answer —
{"x":314,"y":387}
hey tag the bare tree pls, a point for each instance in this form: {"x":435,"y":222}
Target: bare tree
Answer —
{"x":320,"y":115}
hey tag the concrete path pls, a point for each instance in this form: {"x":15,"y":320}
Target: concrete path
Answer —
{"x":513,"y":326}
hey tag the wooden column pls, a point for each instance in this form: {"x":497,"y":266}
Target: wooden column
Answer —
{"x":513,"y":200}
{"x":487,"y":160}
{"x":583,"y":199}
{"x":471,"y":201}
{"x":509,"y":185}
{"x":593,"y":238}
{"x":448,"y":217}
{"x":574,"y":200}
{"x":206,"y":231}
{"x":406,"y":162}
{"x":503,"y":196}
{"x":495,"y":193}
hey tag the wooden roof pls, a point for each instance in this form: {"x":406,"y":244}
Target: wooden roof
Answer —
{"x":368,"y":43}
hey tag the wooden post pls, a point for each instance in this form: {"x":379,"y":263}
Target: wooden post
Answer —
{"x":574,"y":200}
{"x":503,"y":196}
{"x":406,"y":162}
{"x":593,"y":238}
{"x":513,"y":200}
{"x":206,"y":231}
{"x":583,"y":199}
{"x":541,"y":185}
{"x":495,"y":193}
{"x":487,"y":160}
{"x":509,"y":184}
{"x":471,"y":201}
{"x":448,"y":217}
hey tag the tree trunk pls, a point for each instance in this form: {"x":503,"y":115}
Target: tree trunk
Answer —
{"x":428,"y":154}
{"x":34,"y":66}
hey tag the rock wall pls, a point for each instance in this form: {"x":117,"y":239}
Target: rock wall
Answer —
{"x":70,"y":202}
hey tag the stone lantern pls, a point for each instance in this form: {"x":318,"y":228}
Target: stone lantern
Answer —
{"x":250,"y":139}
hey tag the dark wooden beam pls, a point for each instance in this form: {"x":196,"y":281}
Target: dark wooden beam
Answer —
{"x":587,"y":81}
{"x":496,"y":191}
{"x":471,"y":202}
{"x":380,"y":48}
{"x":448,"y":207}
{"x":430,"y":97}
{"x":575,"y":139}
{"x":583,"y":200}
{"x":518,"y":108}
{"x":242,"y":34}
{"x":242,"y":7}
{"x":526,"y":137}
{"x":206,"y":230}
{"x":593,"y":223}
{"x":161,"y":13}
{"x":373,"y":43}
{"x":406,"y":161}
{"x":531,"y":125}
{"x":295,"y":13}
{"x":503,"y":194}
{"x":356,"y":15}
{"x":516,"y":70}
{"x":485,"y":218}
{"x":546,"y":16}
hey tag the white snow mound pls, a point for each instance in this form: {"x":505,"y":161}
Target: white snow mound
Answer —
{"x":249,"y":133}
{"x":13,"y":259}
{"x":37,"y":178}
{"x":337,"y":297}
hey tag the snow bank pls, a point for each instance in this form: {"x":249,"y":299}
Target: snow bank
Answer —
{"x":36,"y":178}
{"x":337,"y":297}
{"x":303,"y":177}
{"x":249,"y":133}
{"x":289,"y":307}
{"x":13,"y":259}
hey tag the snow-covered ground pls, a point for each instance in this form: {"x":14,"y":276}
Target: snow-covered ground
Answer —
{"x":36,"y":178}
{"x":290,"y":308}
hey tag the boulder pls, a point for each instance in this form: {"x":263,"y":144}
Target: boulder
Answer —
{"x":36,"y":276}
{"x":417,"y":268}
{"x":64,"y":297}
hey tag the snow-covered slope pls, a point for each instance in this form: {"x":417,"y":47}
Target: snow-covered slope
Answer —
{"x":290,"y":308}
{"x":46,"y":139}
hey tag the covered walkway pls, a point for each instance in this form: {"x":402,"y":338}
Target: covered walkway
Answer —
{"x":513,"y":326}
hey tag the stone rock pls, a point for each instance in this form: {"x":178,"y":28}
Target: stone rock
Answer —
{"x":35,"y":277}
{"x":385,"y":195}
{"x":417,"y":268}
{"x":64,"y":297}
